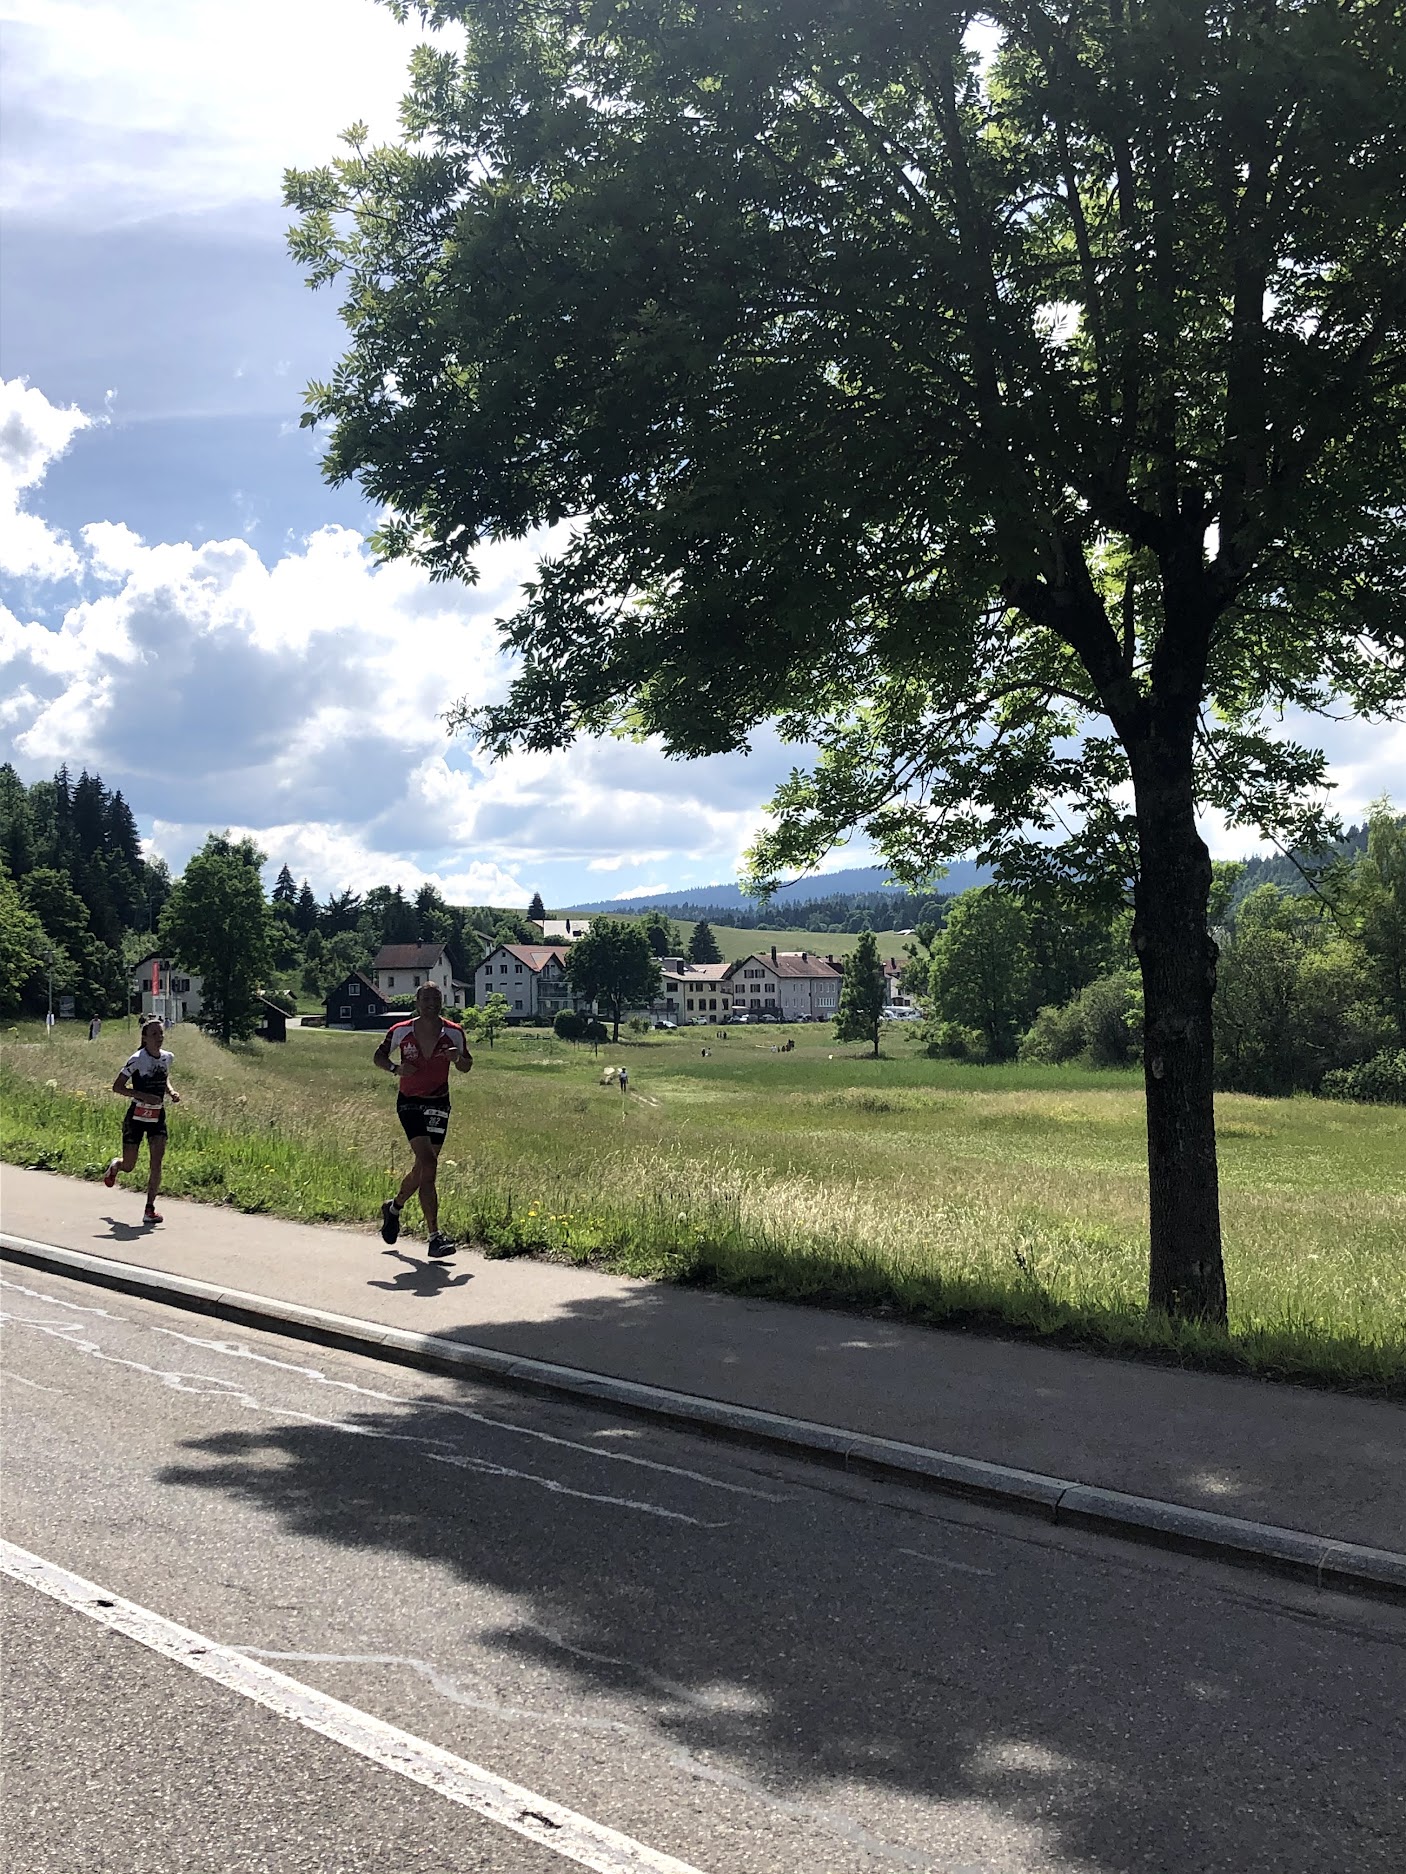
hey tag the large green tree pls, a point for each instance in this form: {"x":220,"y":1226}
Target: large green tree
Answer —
{"x":614,"y":967}
{"x":1016,"y":415}
{"x":981,"y":969}
{"x":861,"y":1008}
{"x":216,"y":925}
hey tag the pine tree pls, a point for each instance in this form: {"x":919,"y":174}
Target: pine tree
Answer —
{"x":284,"y":890}
{"x":703,"y":945}
{"x":537,"y":910}
{"x":862,"y":994}
{"x":305,"y":916}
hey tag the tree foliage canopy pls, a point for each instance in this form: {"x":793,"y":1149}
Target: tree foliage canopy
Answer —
{"x":861,"y":994}
{"x":614,"y":966}
{"x":1017,"y":417}
{"x":217,"y":925}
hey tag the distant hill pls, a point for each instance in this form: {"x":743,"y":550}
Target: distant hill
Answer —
{"x":855,"y":881}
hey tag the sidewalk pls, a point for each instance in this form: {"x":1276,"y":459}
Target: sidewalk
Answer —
{"x":1312,"y":1461}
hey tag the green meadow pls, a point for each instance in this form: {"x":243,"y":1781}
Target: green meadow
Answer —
{"x":1009,"y":1197}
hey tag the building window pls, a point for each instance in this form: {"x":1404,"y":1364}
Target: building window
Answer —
{"x":417,"y":982}
{"x":517,"y":1005}
{"x":353,"y":989}
{"x":390,"y":982}
{"x":502,"y":969}
{"x":346,"y":1013}
{"x":690,"y":1001}
{"x":517,"y":969}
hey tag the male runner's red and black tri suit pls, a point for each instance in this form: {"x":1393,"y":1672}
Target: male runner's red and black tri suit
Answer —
{"x":422,"y":1103}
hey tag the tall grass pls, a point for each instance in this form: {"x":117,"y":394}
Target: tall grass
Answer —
{"x":1012,"y":1197}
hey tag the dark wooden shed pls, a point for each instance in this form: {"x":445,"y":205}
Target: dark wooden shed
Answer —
{"x":356,"y":1002}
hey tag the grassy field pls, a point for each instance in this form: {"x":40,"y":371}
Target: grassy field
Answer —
{"x":1004,"y":1196}
{"x":735,"y":944}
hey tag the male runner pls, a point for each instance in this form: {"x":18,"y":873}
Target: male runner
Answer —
{"x":428,"y":1047}
{"x":146,"y":1082}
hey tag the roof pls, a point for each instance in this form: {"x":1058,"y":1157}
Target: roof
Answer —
{"x":355,"y":976}
{"x":701,"y":972}
{"x":408,"y":956}
{"x":793,"y":963}
{"x":535,"y":956}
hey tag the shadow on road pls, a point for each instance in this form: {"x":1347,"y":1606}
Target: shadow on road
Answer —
{"x":1056,"y":1710}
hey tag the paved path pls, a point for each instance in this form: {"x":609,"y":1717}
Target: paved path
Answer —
{"x":751,"y":1665}
{"x":1308,"y":1460}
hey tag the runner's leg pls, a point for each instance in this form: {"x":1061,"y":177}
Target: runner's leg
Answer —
{"x":426,"y":1152}
{"x":126,"y":1160}
{"x":155,"y":1152}
{"x":410,"y":1183}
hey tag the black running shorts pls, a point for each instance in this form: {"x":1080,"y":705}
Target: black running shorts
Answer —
{"x":138,"y":1123}
{"x":424,"y":1119}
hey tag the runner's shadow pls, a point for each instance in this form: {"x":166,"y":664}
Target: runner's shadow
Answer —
{"x":126,"y":1232}
{"x":420,"y":1278}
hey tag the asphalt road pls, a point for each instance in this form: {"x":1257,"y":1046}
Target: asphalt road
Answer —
{"x":735,"y":1660}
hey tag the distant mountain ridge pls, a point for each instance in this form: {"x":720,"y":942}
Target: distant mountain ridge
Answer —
{"x":854,"y":880}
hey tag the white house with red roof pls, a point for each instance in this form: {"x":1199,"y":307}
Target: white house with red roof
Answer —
{"x":792,"y":985}
{"x":530,"y":977}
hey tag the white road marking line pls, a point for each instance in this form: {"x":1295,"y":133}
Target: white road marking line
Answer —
{"x":944,"y":1561}
{"x":433,"y":1450}
{"x":236,"y":1350}
{"x":575,"y":1837}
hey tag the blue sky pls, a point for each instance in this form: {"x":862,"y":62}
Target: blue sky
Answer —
{"x":187,"y":607}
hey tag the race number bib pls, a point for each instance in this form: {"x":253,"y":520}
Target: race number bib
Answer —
{"x":146,"y":1114}
{"x":436,"y":1121}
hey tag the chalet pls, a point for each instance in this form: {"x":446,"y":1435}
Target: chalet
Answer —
{"x":356,"y":1002}
{"x":791,"y":985}
{"x":162,"y":988}
{"x":399,"y":970}
{"x":531,"y":977}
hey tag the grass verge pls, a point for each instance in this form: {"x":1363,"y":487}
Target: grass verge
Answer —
{"x":1009,"y":1200}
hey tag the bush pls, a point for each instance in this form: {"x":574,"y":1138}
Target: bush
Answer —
{"x":950,"y":1041}
{"x":1055,"y":1035}
{"x":1378,"y":1082}
{"x":1112,"y":1017}
{"x":638,"y":1025}
{"x":570,"y":1025}
{"x":595,"y":1031}
{"x":1102,"y":1025}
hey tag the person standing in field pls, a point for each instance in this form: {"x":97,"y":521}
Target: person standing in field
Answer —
{"x":95,"y":1027}
{"x":624,"y":1080}
{"x":145,"y":1081}
{"x":428,"y":1046}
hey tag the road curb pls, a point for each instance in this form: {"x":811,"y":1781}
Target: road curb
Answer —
{"x":1380,"y":1573}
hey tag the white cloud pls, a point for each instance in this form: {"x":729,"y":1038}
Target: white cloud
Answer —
{"x":302,"y":701}
{"x":127,"y":107}
{"x":33,"y":433}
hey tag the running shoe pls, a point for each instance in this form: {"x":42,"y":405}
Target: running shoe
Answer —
{"x":152,"y":1216}
{"x":390,"y":1222}
{"x":110,"y":1175}
{"x":441,"y":1245}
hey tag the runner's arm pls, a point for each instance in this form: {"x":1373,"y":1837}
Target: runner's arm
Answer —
{"x":382,"y":1057}
{"x":463,"y":1060}
{"x":122,"y":1085}
{"x":172,"y":1094}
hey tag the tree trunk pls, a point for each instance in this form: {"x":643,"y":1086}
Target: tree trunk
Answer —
{"x":1178,"y":962}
